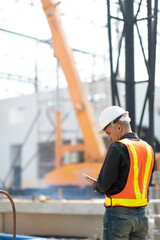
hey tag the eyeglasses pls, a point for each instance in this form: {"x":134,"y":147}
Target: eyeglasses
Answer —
{"x":114,"y":122}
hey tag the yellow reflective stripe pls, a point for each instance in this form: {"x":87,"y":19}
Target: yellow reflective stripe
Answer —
{"x":126,"y":202}
{"x":136,"y":169}
{"x":148,"y":165}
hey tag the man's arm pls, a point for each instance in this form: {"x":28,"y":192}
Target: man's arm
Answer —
{"x":109,"y":171}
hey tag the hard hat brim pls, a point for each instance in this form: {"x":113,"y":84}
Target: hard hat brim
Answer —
{"x":101,"y":132}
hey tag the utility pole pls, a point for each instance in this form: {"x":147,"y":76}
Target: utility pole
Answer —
{"x":130,"y":15}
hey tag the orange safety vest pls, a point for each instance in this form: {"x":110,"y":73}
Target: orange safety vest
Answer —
{"x":134,"y":193}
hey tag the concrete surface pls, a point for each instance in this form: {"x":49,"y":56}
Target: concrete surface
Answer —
{"x":54,"y":218}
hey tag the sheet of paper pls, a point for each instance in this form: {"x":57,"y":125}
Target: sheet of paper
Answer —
{"x":87,"y":176}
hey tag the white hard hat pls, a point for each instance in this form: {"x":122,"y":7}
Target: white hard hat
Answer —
{"x":108,"y":115}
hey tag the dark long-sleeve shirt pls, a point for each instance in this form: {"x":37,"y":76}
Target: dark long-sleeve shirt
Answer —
{"x":114,"y":172}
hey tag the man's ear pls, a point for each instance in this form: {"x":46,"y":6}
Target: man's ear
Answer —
{"x":119,"y":127}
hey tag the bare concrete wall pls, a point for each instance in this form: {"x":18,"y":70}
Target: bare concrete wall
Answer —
{"x":54,"y":224}
{"x":54,"y":218}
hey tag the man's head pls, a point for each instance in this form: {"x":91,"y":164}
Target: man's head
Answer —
{"x":115,"y":122}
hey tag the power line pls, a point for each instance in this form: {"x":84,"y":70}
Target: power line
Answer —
{"x":19,"y":78}
{"x":26,"y":36}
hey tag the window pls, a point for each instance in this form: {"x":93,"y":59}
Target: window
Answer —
{"x":46,"y":160}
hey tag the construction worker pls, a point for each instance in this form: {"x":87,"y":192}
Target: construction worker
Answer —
{"x":124,"y":178}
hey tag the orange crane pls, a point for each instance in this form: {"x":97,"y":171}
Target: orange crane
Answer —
{"x":93,"y":147}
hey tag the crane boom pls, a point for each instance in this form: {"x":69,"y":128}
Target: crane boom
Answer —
{"x":93,"y":142}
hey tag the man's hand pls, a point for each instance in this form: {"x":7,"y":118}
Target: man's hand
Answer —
{"x":89,"y":179}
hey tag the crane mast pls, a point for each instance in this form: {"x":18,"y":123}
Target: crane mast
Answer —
{"x":93,"y":143}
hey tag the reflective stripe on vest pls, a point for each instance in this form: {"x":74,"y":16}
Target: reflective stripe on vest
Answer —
{"x":140,"y":198}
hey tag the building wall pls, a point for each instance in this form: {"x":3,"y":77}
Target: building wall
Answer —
{"x":28,"y":121}
{"x":157,"y":113}
{"x":140,"y":96}
{"x":16,"y":118}
{"x":20,"y":127}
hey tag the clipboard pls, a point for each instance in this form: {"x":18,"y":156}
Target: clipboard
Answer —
{"x":87,"y":176}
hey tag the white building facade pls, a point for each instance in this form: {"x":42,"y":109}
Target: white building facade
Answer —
{"x":28,"y":133}
{"x":27,"y":127}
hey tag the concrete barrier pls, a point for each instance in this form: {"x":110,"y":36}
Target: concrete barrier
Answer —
{"x":74,"y":218}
